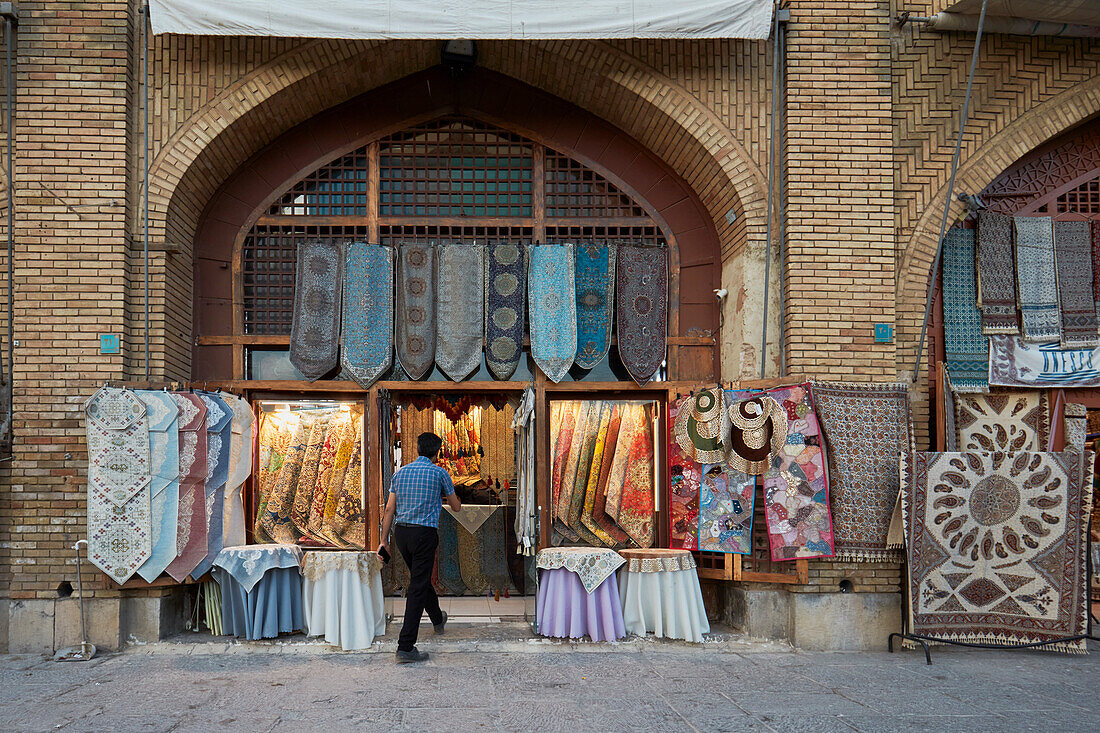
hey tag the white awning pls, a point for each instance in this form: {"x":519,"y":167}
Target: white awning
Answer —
{"x":462,"y":19}
{"x":1074,"y":18}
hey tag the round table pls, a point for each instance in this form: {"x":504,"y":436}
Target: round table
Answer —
{"x":661,"y":595}
{"x":261,"y":589}
{"x":577,"y":593}
{"x":343,"y":599}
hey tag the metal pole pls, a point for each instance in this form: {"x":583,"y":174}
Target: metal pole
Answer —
{"x":9,"y":40}
{"x":950,"y":191}
{"x":783,"y":208}
{"x":145,"y":139}
{"x":771,"y":190}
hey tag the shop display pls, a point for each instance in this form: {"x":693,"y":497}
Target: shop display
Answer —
{"x":552,"y":309}
{"x":366,"y":332}
{"x":460,"y":309}
{"x":191,"y":530}
{"x":595,"y":515}
{"x":578,"y":594}
{"x":997,"y":546}
{"x":702,"y":428}
{"x":757,"y":432}
{"x":1038,"y":291}
{"x":967,"y":348}
{"x":240,"y":468}
{"x":594,"y":270}
{"x":1005,"y":421}
{"x":415,"y":332}
{"x":641,"y":309}
{"x":1073,"y":268}
{"x":164,"y":442}
{"x":261,"y":589}
{"x":1016,"y":363}
{"x":660,"y":594}
{"x":997,"y":274}
{"x":315,"y":329}
{"x":342,"y":598}
{"x":726,"y":498}
{"x":506,"y":308}
{"x":685,"y":477}
{"x":219,"y":429}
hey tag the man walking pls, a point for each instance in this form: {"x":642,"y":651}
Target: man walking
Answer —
{"x":416,"y":497}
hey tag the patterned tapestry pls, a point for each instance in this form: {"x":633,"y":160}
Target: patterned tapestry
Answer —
{"x":758,"y":431}
{"x":415,"y":333}
{"x":997,"y":273}
{"x":1014,"y":362}
{"x":641,"y":309}
{"x":1073,"y":266}
{"x":1075,"y":425}
{"x":366,"y":333}
{"x":967,"y":349}
{"x":315,"y":329}
{"x":552,"y":309}
{"x":1005,"y":421}
{"x":685,"y":477}
{"x":701,"y":427}
{"x":607,"y":438}
{"x":796,"y":487}
{"x":240,"y":468}
{"x":505,"y":308}
{"x":219,"y":433}
{"x":1035,"y":279}
{"x":636,"y":507}
{"x":1094,"y":238}
{"x":460,"y":309}
{"x":119,"y":472}
{"x":997,"y":546}
{"x":164,"y":487}
{"x":595,"y":277}
{"x":867,"y":427}
{"x":726,"y":498}
{"x":450,"y":577}
{"x":191,"y":527}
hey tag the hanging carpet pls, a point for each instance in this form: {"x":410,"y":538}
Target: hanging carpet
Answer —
{"x":1002,"y":421}
{"x":726,"y":499}
{"x":315,"y":329}
{"x":505,"y":308}
{"x":997,"y":273}
{"x":595,"y":282}
{"x":493,"y":553}
{"x":311,"y":467}
{"x":1073,"y":266}
{"x":552,"y":309}
{"x":636,"y":508}
{"x":599,"y":516}
{"x":1035,"y":279}
{"x":275,"y":519}
{"x":415,"y":333}
{"x":450,"y":578}
{"x":581,"y":411}
{"x":684,"y":479}
{"x":593,"y":483}
{"x":1015,"y":363}
{"x":164,"y":487}
{"x":967,"y":349}
{"x":337,"y":434}
{"x":758,"y":431}
{"x":275,"y":437}
{"x":584,"y":467}
{"x":1075,"y":424}
{"x":620,"y":461}
{"x":642,"y":309}
{"x":1094,"y":238}
{"x":191,"y":527}
{"x":219,"y":432}
{"x":996,"y":546}
{"x":348,"y":526}
{"x":366,"y":333}
{"x":330,"y":492}
{"x":240,"y":468}
{"x":460,"y":309}
{"x":702,"y":428}
{"x":469,"y":562}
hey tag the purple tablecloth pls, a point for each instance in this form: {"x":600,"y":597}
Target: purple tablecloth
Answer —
{"x":566,"y":610}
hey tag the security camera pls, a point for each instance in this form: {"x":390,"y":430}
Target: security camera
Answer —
{"x":721,"y":293}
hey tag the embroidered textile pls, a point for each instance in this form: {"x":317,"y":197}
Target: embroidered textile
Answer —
{"x":967,"y":348}
{"x":642,"y":309}
{"x":685,"y":476}
{"x":469,"y":563}
{"x":523,"y":424}
{"x":460,"y":309}
{"x":219,"y":432}
{"x":334,"y":497}
{"x":338,"y":435}
{"x":415,"y":334}
{"x":587,"y":441}
{"x":866,"y":427}
{"x":505,"y":308}
{"x":552,"y":309}
{"x":248,"y":563}
{"x":570,"y":417}
{"x":1095,"y":246}
{"x":366,"y":333}
{"x":636,"y":510}
{"x":997,"y":546}
{"x":599,"y":516}
{"x":796,"y":486}
{"x":473,"y":516}
{"x":1015,"y":363}
{"x":593,"y":480}
{"x":1035,"y":279}
{"x":449,"y":576}
{"x":1075,"y":422}
{"x":191,"y":524}
{"x":1073,"y":266}
{"x":367,"y":565}
{"x":657,"y":560}
{"x":620,"y":461}
{"x":592,"y":565}
{"x":492,"y":550}
{"x":595,"y":278}
{"x":997,"y":273}
{"x":315,"y":329}
{"x":1002,"y":421}
{"x":311,"y":468}
{"x":726,"y":498}
{"x":347,"y":523}
{"x":702,"y":429}
{"x":757,"y":434}
{"x":164,"y":441}
{"x":275,"y":519}
{"x":240,"y":467}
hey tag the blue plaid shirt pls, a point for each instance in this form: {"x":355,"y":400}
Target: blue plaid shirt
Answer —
{"x":420,"y":487}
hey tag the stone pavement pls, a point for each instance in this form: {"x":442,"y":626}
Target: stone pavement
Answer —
{"x":648,"y":685}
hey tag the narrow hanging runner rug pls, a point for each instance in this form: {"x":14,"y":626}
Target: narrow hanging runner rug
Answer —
{"x":469,"y":562}
{"x":505,"y":308}
{"x":596,"y":466}
{"x":191,"y":528}
{"x":338,"y":436}
{"x":1015,"y":363}
{"x":997,"y":273}
{"x":584,"y":468}
{"x":629,"y":424}
{"x":492,"y":548}
{"x":1035,"y":278}
{"x":164,"y":437}
{"x":307,"y":479}
{"x":642,"y":309}
{"x":1002,"y":421}
{"x":460,"y":310}
{"x":599,"y":514}
{"x":685,"y":476}
{"x":449,"y":576}
{"x":1073,"y":266}
{"x":366,"y":349}
{"x":595,"y":283}
{"x":240,"y":468}
{"x":726,"y":498}
{"x":334,"y":498}
{"x":347,"y":525}
{"x":967,"y":349}
{"x":119,"y":521}
{"x":580,"y":412}
{"x":219,"y":432}
{"x":315,"y":329}
{"x":275,"y":519}
{"x":415,"y":333}
{"x":796,"y":487}
{"x":636,"y":507}
{"x":552,"y":307}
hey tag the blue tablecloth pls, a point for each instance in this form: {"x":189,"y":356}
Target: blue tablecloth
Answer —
{"x":261,"y":591}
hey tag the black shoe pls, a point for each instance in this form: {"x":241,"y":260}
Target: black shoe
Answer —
{"x":413,"y":655}
{"x":439,"y":627}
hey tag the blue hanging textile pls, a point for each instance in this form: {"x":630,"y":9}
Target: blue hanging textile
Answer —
{"x":366,"y":333}
{"x":595,"y":278}
{"x":967,"y":348}
{"x":219,"y":433}
{"x":553,"y":309}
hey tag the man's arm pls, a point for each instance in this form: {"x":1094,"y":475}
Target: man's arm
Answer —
{"x":387,"y":521}
{"x":449,"y":494}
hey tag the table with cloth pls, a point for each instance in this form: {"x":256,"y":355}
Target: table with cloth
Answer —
{"x":577,"y":593}
{"x":661,"y":595}
{"x":261,"y":589}
{"x":342,"y":597}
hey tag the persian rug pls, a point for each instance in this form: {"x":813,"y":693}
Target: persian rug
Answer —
{"x":796,"y":485}
{"x":315,"y":329}
{"x":1094,"y":232}
{"x":866,"y":427}
{"x":191,"y":527}
{"x":460,"y":309}
{"x":275,"y":519}
{"x":584,"y":467}
{"x":1002,"y":421}
{"x":492,"y":540}
{"x":275,"y":437}
{"x":593,"y":485}
{"x":967,"y":349}
{"x":599,"y":515}
{"x":581,"y":410}
{"x":685,"y":476}
{"x":563,"y":417}
{"x":595,"y":278}
{"x":338,"y":431}
{"x":630,"y":421}
{"x":636,"y":510}
{"x":702,"y":428}
{"x":726,"y":499}
{"x":1073,"y":267}
{"x":469,"y":563}
{"x":164,"y":487}
{"x":240,"y":468}
{"x":415,"y":332}
{"x":366,"y":332}
{"x":505,"y":308}
{"x":641,"y":309}
{"x":334,"y":491}
{"x":1075,"y":424}
{"x":997,"y":546}
{"x":1035,"y":279}
{"x":552,"y":309}
{"x":450,"y":577}
{"x":311,"y":467}
{"x":997,"y":273}
{"x":219,"y":433}
{"x":348,"y":524}
{"x":1013,"y":362}
{"x":119,"y":472}
{"x":593,"y":565}
{"x":758,"y":432}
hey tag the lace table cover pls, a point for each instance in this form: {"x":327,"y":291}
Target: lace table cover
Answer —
{"x":248,"y":563}
{"x":591,"y":564}
{"x":657,"y":560}
{"x":367,"y":565}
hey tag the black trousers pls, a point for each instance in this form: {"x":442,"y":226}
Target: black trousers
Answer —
{"x":417,"y":545}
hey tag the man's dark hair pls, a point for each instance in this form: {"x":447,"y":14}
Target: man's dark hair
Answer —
{"x":428,"y":444}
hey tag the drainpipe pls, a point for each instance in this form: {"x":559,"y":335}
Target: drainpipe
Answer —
{"x":11,"y":20}
{"x":779,"y":24}
{"x":144,"y":13}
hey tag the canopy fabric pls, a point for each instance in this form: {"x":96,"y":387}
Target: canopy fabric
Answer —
{"x":466,"y":19}
{"x":1072,"y":18}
